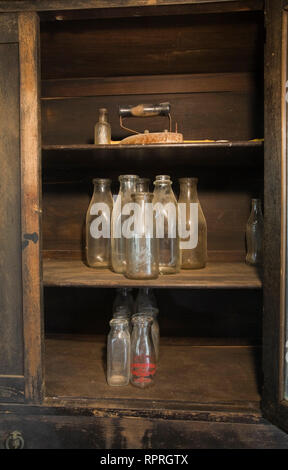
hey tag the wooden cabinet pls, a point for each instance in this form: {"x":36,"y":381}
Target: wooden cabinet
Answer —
{"x":221,"y":358}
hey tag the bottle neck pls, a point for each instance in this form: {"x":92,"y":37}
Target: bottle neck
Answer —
{"x":103,"y":116}
{"x":188,"y":190}
{"x":256,"y":206}
{"x":128,"y":186}
{"x":101,"y":187}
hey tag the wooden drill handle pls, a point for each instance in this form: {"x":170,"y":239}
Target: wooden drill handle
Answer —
{"x":144,"y":110}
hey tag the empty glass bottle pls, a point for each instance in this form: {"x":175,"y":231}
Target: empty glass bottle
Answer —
{"x":118,"y":352}
{"x":142,"y":185}
{"x":192,"y":258}
{"x":254,"y":234}
{"x":102,"y":129}
{"x":143,"y":357}
{"x":155,"y":330}
{"x":145,"y":299}
{"x":142,"y":247}
{"x":118,"y":241}
{"x":165,"y":206}
{"x":98,"y":252}
{"x":123,"y":302}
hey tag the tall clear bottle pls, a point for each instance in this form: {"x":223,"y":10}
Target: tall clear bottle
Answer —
{"x":254,"y":234}
{"x":98,"y":217}
{"x":118,"y":352}
{"x":142,"y":247}
{"x":165,"y":206}
{"x":102,"y":129}
{"x":192,"y":258}
{"x":118,"y":241}
{"x":143,"y":357}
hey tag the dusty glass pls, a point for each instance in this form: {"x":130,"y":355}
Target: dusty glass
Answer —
{"x":98,"y":245}
{"x":192,"y":258}
{"x":118,"y":352}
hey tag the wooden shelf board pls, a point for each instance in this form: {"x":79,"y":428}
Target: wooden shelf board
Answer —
{"x":75,"y":273}
{"x":187,"y":374}
{"x":171,"y":156}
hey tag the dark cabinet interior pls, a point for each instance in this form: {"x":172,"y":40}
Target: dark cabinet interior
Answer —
{"x":210,"y":68}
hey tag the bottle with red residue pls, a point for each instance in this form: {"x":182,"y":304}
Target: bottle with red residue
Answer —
{"x":143,"y":357}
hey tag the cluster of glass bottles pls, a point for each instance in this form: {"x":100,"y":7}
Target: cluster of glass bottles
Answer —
{"x":133,"y":340}
{"x":146,"y":253}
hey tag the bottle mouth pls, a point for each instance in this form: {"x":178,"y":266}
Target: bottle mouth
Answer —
{"x":119,"y":321}
{"x":163,"y":178}
{"x":128,"y":177}
{"x":101,"y":181}
{"x":148,"y":311}
{"x":141,"y":318}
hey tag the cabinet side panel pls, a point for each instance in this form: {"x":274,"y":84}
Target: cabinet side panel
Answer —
{"x":11,"y":334}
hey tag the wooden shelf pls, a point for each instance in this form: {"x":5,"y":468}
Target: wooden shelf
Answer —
{"x":214,"y":276}
{"x":187,"y":373}
{"x":234,"y":154}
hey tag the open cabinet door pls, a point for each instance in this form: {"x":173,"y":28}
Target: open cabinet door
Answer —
{"x":275,"y":324}
{"x":20,"y":283}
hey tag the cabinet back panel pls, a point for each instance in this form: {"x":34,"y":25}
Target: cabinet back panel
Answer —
{"x":214,"y":115}
{"x":153,"y":45}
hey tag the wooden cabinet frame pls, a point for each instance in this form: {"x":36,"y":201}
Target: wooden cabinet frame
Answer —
{"x":19,"y":32}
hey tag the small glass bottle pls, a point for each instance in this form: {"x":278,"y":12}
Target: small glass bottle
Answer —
{"x":102,"y":129}
{"x":142,"y":261}
{"x":145,"y":299}
{"x":123,"y":301}
{"x":118,"y":241}
{"x":143,"y":357}
{"x":165,"y":206}
{"x":118,"y":352}
{"x":98,"y":217}
{"x":155,"y":330}
{"x":192,"y":258}
{"x":254,"y":234}
{"x":142,"y":185}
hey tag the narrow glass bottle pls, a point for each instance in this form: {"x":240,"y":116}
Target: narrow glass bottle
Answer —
{"x":143,"y":357}
{"x":165,"y":206}
{"x":192,"y":258}
{"x":98,"y":217}
{"x":102,"y":129}
{"x":254,"y":234}
{"x":118,"y":241}
{"x":155,"y":330}
{"x":118,"y":352}
{"x":142,"y":185}
{"x":124,"y":301}
{"x":142,"y":247}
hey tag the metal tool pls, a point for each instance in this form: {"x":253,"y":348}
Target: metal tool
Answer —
{"x":148,"y":110}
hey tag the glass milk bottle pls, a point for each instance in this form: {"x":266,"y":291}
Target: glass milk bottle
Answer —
{"x":102,"y":129}
{"x":192,"y":258}
{"x":118,"y":352}
{"x":254,"y":234}
{"x":118,"y":241}
{"x":98,"y":253}
{"x":165,"y":206}
{"x":143,"y":357}
{"x":142,"y":245}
